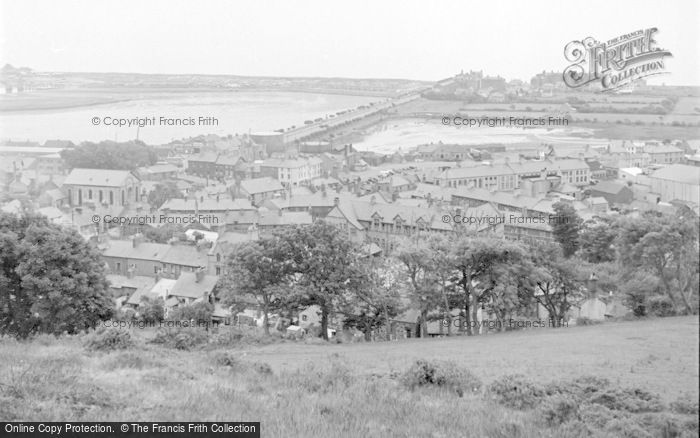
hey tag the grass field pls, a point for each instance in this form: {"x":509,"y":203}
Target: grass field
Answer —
{"x":361,"y":389}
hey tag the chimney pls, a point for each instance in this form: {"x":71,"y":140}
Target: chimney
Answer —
{"x":199,"y":274}
{"x":136,"y":239}
{"x":373,"y":200}
{"x":336,"y":201}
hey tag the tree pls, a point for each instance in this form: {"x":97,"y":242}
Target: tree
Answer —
{"x":110,"y":155}
{"x":51,"y":281}
{"x":415,"y":254}
{"x":475,"y":259}
{"x":164,"y":233}
{"x":151,"y":311}
{"x":162,"y":193}
{"x":513,"y":282}
{"x":199,"y":312}
{"x":376,"y":300}
{"x":559,"y":283}
{"x":325,"y":264}
{"x":259,"y":270}
{"x":566,"y":225}
{"x":666,"y":246}
{"x":597,"y":241}
{"x":637,"y":290}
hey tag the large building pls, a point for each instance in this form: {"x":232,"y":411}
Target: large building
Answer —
{"x":677,"y":182}
{"x":102,"y":186}
{"x":508,"y":176}
{"x":384,"y":224}
{"x":292,"y":172}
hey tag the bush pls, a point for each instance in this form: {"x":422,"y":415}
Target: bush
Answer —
{"x":584,"y":320}
{"x":660,"y":305}
{"x":225,"y":359}
{"x":151,"y":311}
{"x":180,"y":338}
{"x":108,"y":339}
{"x":628,"y":399}
{"x":516,"y":391}
{"x":559,"y":410}
{"x":685,"y":405}
{"x":198,"y":312}
{"x":314,"y":379}
{"x":441,"y":374}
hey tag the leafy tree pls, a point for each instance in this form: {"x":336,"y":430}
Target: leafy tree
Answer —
{"x":566,"y":226}
{"x":163,"y":234}
{"x":475,"y":259}
{"x":559,"y":282}
{"x":163,"y":192}
{"x":51,"y":280}
{"x":325,"y":265}
{"x":259,"y":270}
{"x":415,"y":254}
{"x":667,"y":246}
{"x":376,"y":300}
{"x":151,"y":311}
{"x":512,"y":280}
{"x":597,"y":240}
{"x":198,"y":312}
{"x":637,"y":290}
{"x":110,"y":155}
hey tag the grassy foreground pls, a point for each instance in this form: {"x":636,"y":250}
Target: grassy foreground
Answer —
{"x":598,"y":380}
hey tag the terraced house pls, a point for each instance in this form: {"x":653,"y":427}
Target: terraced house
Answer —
{"x":385,"y":224}
{"x":508,"y":176}
{"x":153,"y":259}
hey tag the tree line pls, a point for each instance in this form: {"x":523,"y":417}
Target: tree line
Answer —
{"x":649,"y":259}
{"x":52,"y":281}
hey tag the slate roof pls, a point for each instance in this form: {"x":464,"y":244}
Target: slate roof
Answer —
{"x":679,"y":173}
{"x":261,"y":185}
{"x":187,"y":285}
{"x":98,"y":177}
{"x":609,"y":187}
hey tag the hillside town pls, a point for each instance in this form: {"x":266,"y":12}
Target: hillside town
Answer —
{"x":165,"y":229}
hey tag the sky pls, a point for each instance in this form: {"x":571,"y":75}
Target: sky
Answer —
{"x":426,"y":40}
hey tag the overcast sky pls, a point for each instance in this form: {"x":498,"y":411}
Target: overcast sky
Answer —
{"x":355,"y":38}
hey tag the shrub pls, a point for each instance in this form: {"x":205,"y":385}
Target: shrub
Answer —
{"x":108,"y":339}
{"x":685,"y":405}
{"x":516,"y":391}
{"x":584,"y":320}
{"x":660,"y":305}
{"x":662,"y":425}
{"x":225,"y":359}
{"x":199,"y":312}
{"x":628,"y":399}
{"x":262,"y":367}
{"x":180,"y":338}
{"x":151,"y":311}
{"x":126,"y":359}
{"x":559,"y":410}
{"x":627,"y":428}
{"x":314,"y":379}
{"x":441,"y":374}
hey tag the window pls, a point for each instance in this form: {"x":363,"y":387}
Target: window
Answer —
{"x":155,"y":269}
{"x":119,"y":267}
{"x":304,"y":317}
{"x":90,"y":194}
{"x":218,"y":257}
{"x":218,"y":270}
